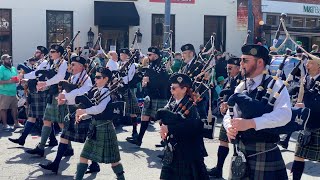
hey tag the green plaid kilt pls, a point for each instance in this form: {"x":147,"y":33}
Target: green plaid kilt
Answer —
{"x":269,"y":165}
{"x":223,"y":134}
{"x":55,"y":113}
{"x":131,"y":102}
{"x":155,"y":105}
{"x":38,"y":104}
{"x":312,"y":150}
{"x":78,"y":132}
{"x":104,"y":149}
{"x":180,"y":169}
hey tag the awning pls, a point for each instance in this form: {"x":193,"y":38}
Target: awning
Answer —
{"x":115,"y":14}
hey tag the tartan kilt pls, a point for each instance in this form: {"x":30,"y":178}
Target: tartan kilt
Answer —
{"x":55,"y":113}
{"x":104,"y":149}
{"x":131,"y":102}
{"x":155,"y":105}
{"x":80,"y":131}
{"x":223,"y":134}
{"x":312,"y":150}
{"x":180,"y":169}
{"x":38,"y":104}
{"x":269,"y":165}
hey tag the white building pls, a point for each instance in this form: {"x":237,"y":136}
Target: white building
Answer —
{"x":26,"y":24}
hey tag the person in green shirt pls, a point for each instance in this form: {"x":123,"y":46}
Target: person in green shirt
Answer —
{"x":177,"y":62}
{"x":8,"y":92}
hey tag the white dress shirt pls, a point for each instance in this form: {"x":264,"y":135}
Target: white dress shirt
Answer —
{"x":131,"y":73}
{"x":42,"y":66}
{"x":86,"y":86}
{"x":280,"y":115}
{"x":112,"y":65}
{"x":60,"y":74}
{"x":94,"y":110}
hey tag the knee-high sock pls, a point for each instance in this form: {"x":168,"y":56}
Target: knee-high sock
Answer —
{"x":118,"y":170}
{"x":81,"y":170}
{"x":69,"y":145}
{"x":134,"y":125}
{"x":62,"y":148}
{"x":222,"y":155}
{"x":45,"y":133}
{"x":93,"y":163}
{"x":52,"y":136}
{"x":143,"y":128}
{"x":27,"y":129}
{"x":297,"y":169}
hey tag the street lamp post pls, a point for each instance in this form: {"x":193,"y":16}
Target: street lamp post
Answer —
{"x":250,"y":21}
{"x":166,"y":23}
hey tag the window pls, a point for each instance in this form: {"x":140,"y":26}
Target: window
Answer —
{"x":5,"y":32}
{"x":272,"y":20}
{"x":298,"y":22}
{"x":59,"y":26}
{"x":215,"y":24}
{"x":158,"y":30}
{"x":311,"y":22}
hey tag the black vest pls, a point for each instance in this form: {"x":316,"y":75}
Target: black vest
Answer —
{"x":106,"y":113}
{"x":251,"y":135}
{"x":311,"y":100}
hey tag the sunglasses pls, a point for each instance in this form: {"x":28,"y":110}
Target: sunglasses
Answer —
{"x":149,"y":54}
{"x":52,"y":51}
{"x":98,"y":77}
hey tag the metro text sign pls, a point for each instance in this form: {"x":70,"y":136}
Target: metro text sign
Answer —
{"x":176,"y":1}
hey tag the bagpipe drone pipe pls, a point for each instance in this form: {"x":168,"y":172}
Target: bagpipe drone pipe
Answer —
{"x":256,"y":107}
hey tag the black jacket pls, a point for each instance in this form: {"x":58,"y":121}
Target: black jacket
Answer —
{"x":187,"y":135}
{"x":311,"y":100}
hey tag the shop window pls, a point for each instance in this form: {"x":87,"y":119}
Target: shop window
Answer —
{"x":272,"y":20}
{"x":59,"y":26}
{"x":215,"y":24}
{"x":158,"y":30}
{"x":5,"y":32}
{"x":311,"y":22}
{"x":298,"y":22}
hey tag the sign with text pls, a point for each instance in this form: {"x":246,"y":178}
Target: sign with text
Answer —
{"x":242,"y":15}
{"x":176,"y":1}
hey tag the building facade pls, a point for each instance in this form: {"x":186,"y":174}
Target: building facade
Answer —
{"x":26,"y":24}
{"x":303,"y":20}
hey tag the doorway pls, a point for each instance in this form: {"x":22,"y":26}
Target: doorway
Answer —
{"x":114,"y":38}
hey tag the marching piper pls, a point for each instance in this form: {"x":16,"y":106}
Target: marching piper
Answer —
{"x":257,"y":152}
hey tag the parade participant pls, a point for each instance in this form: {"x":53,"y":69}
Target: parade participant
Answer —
{"x":309,"y":149}
{"x":8,"y":92}
{"x":69,"y":133}
{"x":36,"y":99}
{"x":113,"y":61}
{"x":101,"y":144}
{"x":52,"y":112}
{"x":129,"y":96}
{"x":192,"y":68}
{"x":155,"y":83}
{"x":185,"y":136}
{"x":263,"y":158}
{"x":233,"y":80}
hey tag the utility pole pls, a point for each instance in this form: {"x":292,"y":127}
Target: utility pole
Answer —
{"x":250,"y":21}
{"x":167,"y":15}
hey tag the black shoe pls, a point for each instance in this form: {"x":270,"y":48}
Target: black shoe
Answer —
{"x":215,"y":173}
{"x":134,"y":136}
{"x":284,"y":144}
{"x":162,"y":144}
{"x":51,"y":166}
{"x":93,"y":168}
{"x":135,"y":141}
{"x":17,"y":141}
{"x":37,"y":151}
{"x":69,"y":152}
{"x":52,"y":143}
{"x":161,"y":156}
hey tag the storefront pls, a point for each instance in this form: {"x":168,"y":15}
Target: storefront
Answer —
{"x":303,"y":21}
{"x":36,"y":22}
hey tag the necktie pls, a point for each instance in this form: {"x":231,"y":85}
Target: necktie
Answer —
{"x":311,"y":83}
{"x":250,"y":84}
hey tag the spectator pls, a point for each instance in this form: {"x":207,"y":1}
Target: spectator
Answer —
{"x":221,"y":65}
{"x":177,"y":62}
{"x":113,"y":61}
{"x":315,"y":48}
{"x":8,"y":92}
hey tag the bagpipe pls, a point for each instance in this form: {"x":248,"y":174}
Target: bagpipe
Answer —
{"x":264,"y":103}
